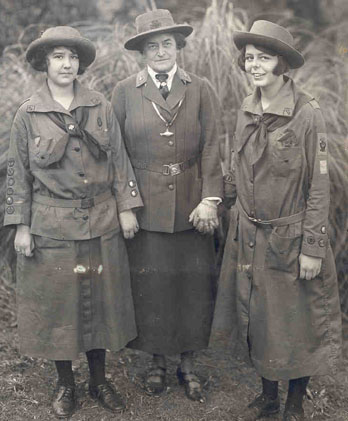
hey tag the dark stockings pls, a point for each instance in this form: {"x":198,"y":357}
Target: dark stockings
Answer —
{"x":65,"y":373}
{"x":270,"y":388}
{"x":96,"y":363}
{"x":296,"y":392}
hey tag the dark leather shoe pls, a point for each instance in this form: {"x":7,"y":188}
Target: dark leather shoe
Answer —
{"x":107,"y":396}
{"x":192,"y":384}
{"x":64,"y":401}
{"x":263,"y":406}
{"x":155,"y":381}
{"x":291,"y":415}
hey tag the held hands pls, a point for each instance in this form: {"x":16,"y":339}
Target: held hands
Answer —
{"x":309,"y":266}
{"x":24,"y":243}
{"x":204,"y":217}
{"x":129,"y":223}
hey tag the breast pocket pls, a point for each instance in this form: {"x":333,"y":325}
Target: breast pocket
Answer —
{"x":40,"y":151}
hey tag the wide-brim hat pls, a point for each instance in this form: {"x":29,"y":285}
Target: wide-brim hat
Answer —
{"x":64,"y":36}
{"x":155,"y":22}
{"x":272,"y":36}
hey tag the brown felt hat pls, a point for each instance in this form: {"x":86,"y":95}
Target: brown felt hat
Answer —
{"x":270,"y":35}
{"x":155,"y":22}
{"x":64,"y":36}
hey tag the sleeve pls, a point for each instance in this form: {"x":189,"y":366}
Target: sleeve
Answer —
{"x":118,"y":102}
{"x":210,"y":152}
{"x":315,"y":239}
{"x":19,"y":177}
{"x":125,"y":185}
{"x":229,"y":178}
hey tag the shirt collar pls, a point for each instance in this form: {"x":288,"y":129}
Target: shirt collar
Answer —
{"x":170,"y":74}
{"x":283,"y":104}
{"x":42,"y":100}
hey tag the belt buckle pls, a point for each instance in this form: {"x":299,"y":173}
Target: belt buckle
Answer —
{"x":87,"y":203}
{"x":173,"y":169}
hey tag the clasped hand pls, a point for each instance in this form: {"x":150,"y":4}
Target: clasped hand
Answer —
{"x":204,"y":217}
{"x":129,"y":223}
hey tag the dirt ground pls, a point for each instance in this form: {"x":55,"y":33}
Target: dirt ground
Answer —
{"x":26,"y":386}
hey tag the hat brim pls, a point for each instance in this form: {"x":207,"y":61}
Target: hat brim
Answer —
{"x":84,"y":47}
{"x":292,"y":56}
{"x":135,"y":43}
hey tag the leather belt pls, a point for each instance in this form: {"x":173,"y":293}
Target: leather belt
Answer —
{"x":278,"y":222}
{"x":165,"y":169}
{"x":72,"y":203}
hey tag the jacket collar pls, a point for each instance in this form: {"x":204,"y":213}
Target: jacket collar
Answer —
{"x":283,"y":104}
{"x":43,"y":102}
{"x":143,"y":75}
{"x":151,"y":92}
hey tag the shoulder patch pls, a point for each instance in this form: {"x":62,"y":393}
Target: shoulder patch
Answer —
{"x":314,"y":104}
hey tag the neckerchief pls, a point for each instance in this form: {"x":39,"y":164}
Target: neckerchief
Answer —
{"x":76,"y":129}
{"x":267,"y":123}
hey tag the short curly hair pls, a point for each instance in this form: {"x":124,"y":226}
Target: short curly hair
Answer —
{"x":180,"y":41}
{"x":281,"y":67}
{"x":39,"y":58}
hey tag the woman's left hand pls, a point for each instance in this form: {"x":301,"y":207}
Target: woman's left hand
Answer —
{"x":129,"y":223}
{"x":309,"y":266}
{"x":204,"y":217}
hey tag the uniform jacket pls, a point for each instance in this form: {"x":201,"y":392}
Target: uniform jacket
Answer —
{"x":292,"y":325}
{"x":33,"y":169}
{"x":169,"y":199}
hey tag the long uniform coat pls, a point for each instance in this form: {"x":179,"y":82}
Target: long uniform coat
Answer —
{"x":171,"y":264}
{"x":74,"y":293}
{"x":292,"y":326}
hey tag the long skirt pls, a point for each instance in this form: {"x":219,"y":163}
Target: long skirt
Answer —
{"x":74,"y":296}
{"x":172,"y":283}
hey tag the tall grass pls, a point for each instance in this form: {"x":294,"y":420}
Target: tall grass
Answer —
{"x":210,"y":52}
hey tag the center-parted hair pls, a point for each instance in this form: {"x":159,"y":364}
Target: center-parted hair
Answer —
{"x":40,"y":58}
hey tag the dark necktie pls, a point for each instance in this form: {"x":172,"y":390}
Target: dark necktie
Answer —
{"x":162,"y":78}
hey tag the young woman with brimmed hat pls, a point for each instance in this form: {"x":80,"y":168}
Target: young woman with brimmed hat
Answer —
{"x":278,"y":274}
{"x":70,"y":186}
{"x":167,"y":118}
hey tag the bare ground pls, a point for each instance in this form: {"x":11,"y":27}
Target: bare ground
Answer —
{"x":26,"y":386}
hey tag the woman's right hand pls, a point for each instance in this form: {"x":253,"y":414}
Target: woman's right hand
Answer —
{"x":24,"y":242}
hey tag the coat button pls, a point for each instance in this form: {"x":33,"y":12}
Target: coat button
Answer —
{"x":134,"y":193}
{"x":85,"y":217}
{"x":170,"y":143}
{"x":310,"y":240}
{"x":83,"y":196}
{"x":251,"y":244}
{"x":131,"y":183}
{"x":77,"y":149}
{"x":321,"y":243}
{"x":10,"y":209}
{"x":171,"y":186}
{"x":81,"y":174}
{"x":323,"y":229}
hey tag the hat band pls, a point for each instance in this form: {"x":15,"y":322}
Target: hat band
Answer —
{"x":155,"y":24}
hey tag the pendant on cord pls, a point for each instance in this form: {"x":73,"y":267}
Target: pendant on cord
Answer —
{"x":167,"y":133}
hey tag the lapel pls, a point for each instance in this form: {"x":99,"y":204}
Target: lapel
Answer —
{"x":150,"y":90}
{"x":177,"y":92}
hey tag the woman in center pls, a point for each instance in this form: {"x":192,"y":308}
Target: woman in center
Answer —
{"x":167,"y":118}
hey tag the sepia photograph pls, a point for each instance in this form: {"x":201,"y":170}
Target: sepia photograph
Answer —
{"x":174,"y":210}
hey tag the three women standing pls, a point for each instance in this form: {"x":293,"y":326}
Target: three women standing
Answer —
{"x":278,"y":259}
{"x":168,"y":123}
{"x":70,"y":186}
